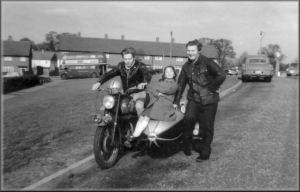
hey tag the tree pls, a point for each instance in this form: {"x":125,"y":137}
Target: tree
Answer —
{"x":242,"y":58}
{"x":52,"y":40}
{"x":43,"y":46}
{"x":270,"y":51}
{"x":224,"y":46}
{"x":225,"y":50}
{"x":206,"y":41}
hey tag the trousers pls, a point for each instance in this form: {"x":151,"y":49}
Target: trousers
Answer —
{"x":205,"y":115}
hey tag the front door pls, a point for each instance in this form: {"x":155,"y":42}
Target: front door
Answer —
{"x":22,"y":69}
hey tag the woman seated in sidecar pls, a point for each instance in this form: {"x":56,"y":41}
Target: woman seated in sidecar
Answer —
{"x":160,"y":106}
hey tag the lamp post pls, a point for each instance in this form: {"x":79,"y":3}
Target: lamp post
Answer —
{"x":277,"y":55}
{"x":171,"y":49}
{"x":263,"y":34}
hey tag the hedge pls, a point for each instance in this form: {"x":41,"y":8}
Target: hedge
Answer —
{"x":11,"y":84}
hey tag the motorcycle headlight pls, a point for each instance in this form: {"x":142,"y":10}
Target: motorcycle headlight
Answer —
{"x":108,"y":102}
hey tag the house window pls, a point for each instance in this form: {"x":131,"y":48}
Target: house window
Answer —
{"x":7,"y":58}
{"x":179,"y":59}
{"x":157,"y":67}
{"x":22,"y":58}
{"x":23,"y":68}
{"x":107,"y":56}
{"x":157,"y":58}
{"x":146,"y":57}
{"x":80,"y":67}
{"x":8,"y":69}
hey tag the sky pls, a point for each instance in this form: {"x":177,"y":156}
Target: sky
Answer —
{"x":238,"y":21}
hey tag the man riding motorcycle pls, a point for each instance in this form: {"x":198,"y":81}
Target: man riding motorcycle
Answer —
{"x":133,"y":73}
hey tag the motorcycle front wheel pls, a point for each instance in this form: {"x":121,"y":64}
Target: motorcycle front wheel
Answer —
{"x":106,"y":155}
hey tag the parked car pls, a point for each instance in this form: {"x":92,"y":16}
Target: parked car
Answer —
{"x":257,"y":67}
{"x":293,"y":69}
{"x":11,"y":74}
{"x":232,"y":72}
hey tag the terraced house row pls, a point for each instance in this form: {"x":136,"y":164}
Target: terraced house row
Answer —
{"x":19,"y":56}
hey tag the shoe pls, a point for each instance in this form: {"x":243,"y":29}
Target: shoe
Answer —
{"x":188,"y":149}
{"x":202,"y":158}
{"x":128,"y":142}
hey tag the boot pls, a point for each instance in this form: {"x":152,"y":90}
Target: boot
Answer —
{"x":128,"y":142}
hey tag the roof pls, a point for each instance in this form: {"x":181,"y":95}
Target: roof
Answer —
{"x":42,"y":55}
{"x":59,"y":55}
{"x":83,"y":44}
{"x":256,"y":56}
{"x":17,"y":48}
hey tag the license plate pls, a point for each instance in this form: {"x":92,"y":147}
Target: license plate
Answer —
{"x":257,"y":72}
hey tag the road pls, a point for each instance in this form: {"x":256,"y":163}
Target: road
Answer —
{"x":256,"y":146}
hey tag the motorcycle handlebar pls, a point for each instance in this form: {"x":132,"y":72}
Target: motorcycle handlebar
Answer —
{"x":128,"y":91}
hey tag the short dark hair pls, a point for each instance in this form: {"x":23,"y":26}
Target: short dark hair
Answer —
{"x":164,"y":73}
{"x":129,"y":50}
{"x":195,"y":42}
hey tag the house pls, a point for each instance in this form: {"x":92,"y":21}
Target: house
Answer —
{"x":157,"y":54}
{"x":59,"y":56}
{"x":43,"y":62}
{"x":16,"y":56}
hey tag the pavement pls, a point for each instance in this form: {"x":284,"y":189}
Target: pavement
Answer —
{"x":53,"y":180}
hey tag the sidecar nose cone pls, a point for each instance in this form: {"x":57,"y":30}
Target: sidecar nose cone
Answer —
{"x":152,"y":137}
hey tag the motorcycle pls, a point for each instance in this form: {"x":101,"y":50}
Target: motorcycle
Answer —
{"x":117,"y":121}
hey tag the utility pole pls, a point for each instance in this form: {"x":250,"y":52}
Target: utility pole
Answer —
{"x":171,"y":49}
{"x":263,"y":34}
{"x":277,"y":55}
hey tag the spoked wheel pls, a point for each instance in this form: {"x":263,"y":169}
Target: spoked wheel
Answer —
{"x":106,"y":154}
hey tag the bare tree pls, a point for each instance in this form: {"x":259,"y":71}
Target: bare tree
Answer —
{"x":225,"y":50}
{"x":271,"y":51}
{"x":242,"y":58}
{"x":206,"y":41}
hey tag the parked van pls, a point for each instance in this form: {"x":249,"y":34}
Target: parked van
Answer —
{"x":257,"y":67}
{"x":83,"y":65}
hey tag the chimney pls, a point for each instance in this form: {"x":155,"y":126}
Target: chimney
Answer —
{"x":106,"y":36}
{"x":10,"y":38}
{"x":79,"y":34}
{"x":157,"y":39}
{"x":122,"y":37}
{"x":173,"y":40}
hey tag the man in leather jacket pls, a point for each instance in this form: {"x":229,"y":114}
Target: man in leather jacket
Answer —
{"x":133,"y":73}
{"x":204,"y":78}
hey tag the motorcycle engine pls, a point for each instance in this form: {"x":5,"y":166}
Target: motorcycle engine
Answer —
{"x":127,"y":105}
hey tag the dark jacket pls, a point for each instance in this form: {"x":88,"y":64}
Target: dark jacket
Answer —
{"x":162,"y":106}
{"x":204,"y":78}
{"x":138,"y":73}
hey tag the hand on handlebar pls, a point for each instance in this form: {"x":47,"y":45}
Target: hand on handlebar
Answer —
{"x":96,"y":86}
{"x":175,"y":106}
{"x":142,"y":85}
{"x":160,"y":94}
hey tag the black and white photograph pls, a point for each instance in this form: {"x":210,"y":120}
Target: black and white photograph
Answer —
{"x":149,"y":95}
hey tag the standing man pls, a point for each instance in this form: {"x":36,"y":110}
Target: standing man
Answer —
{"x":204,"y":78}
{"x":133,"y":73}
